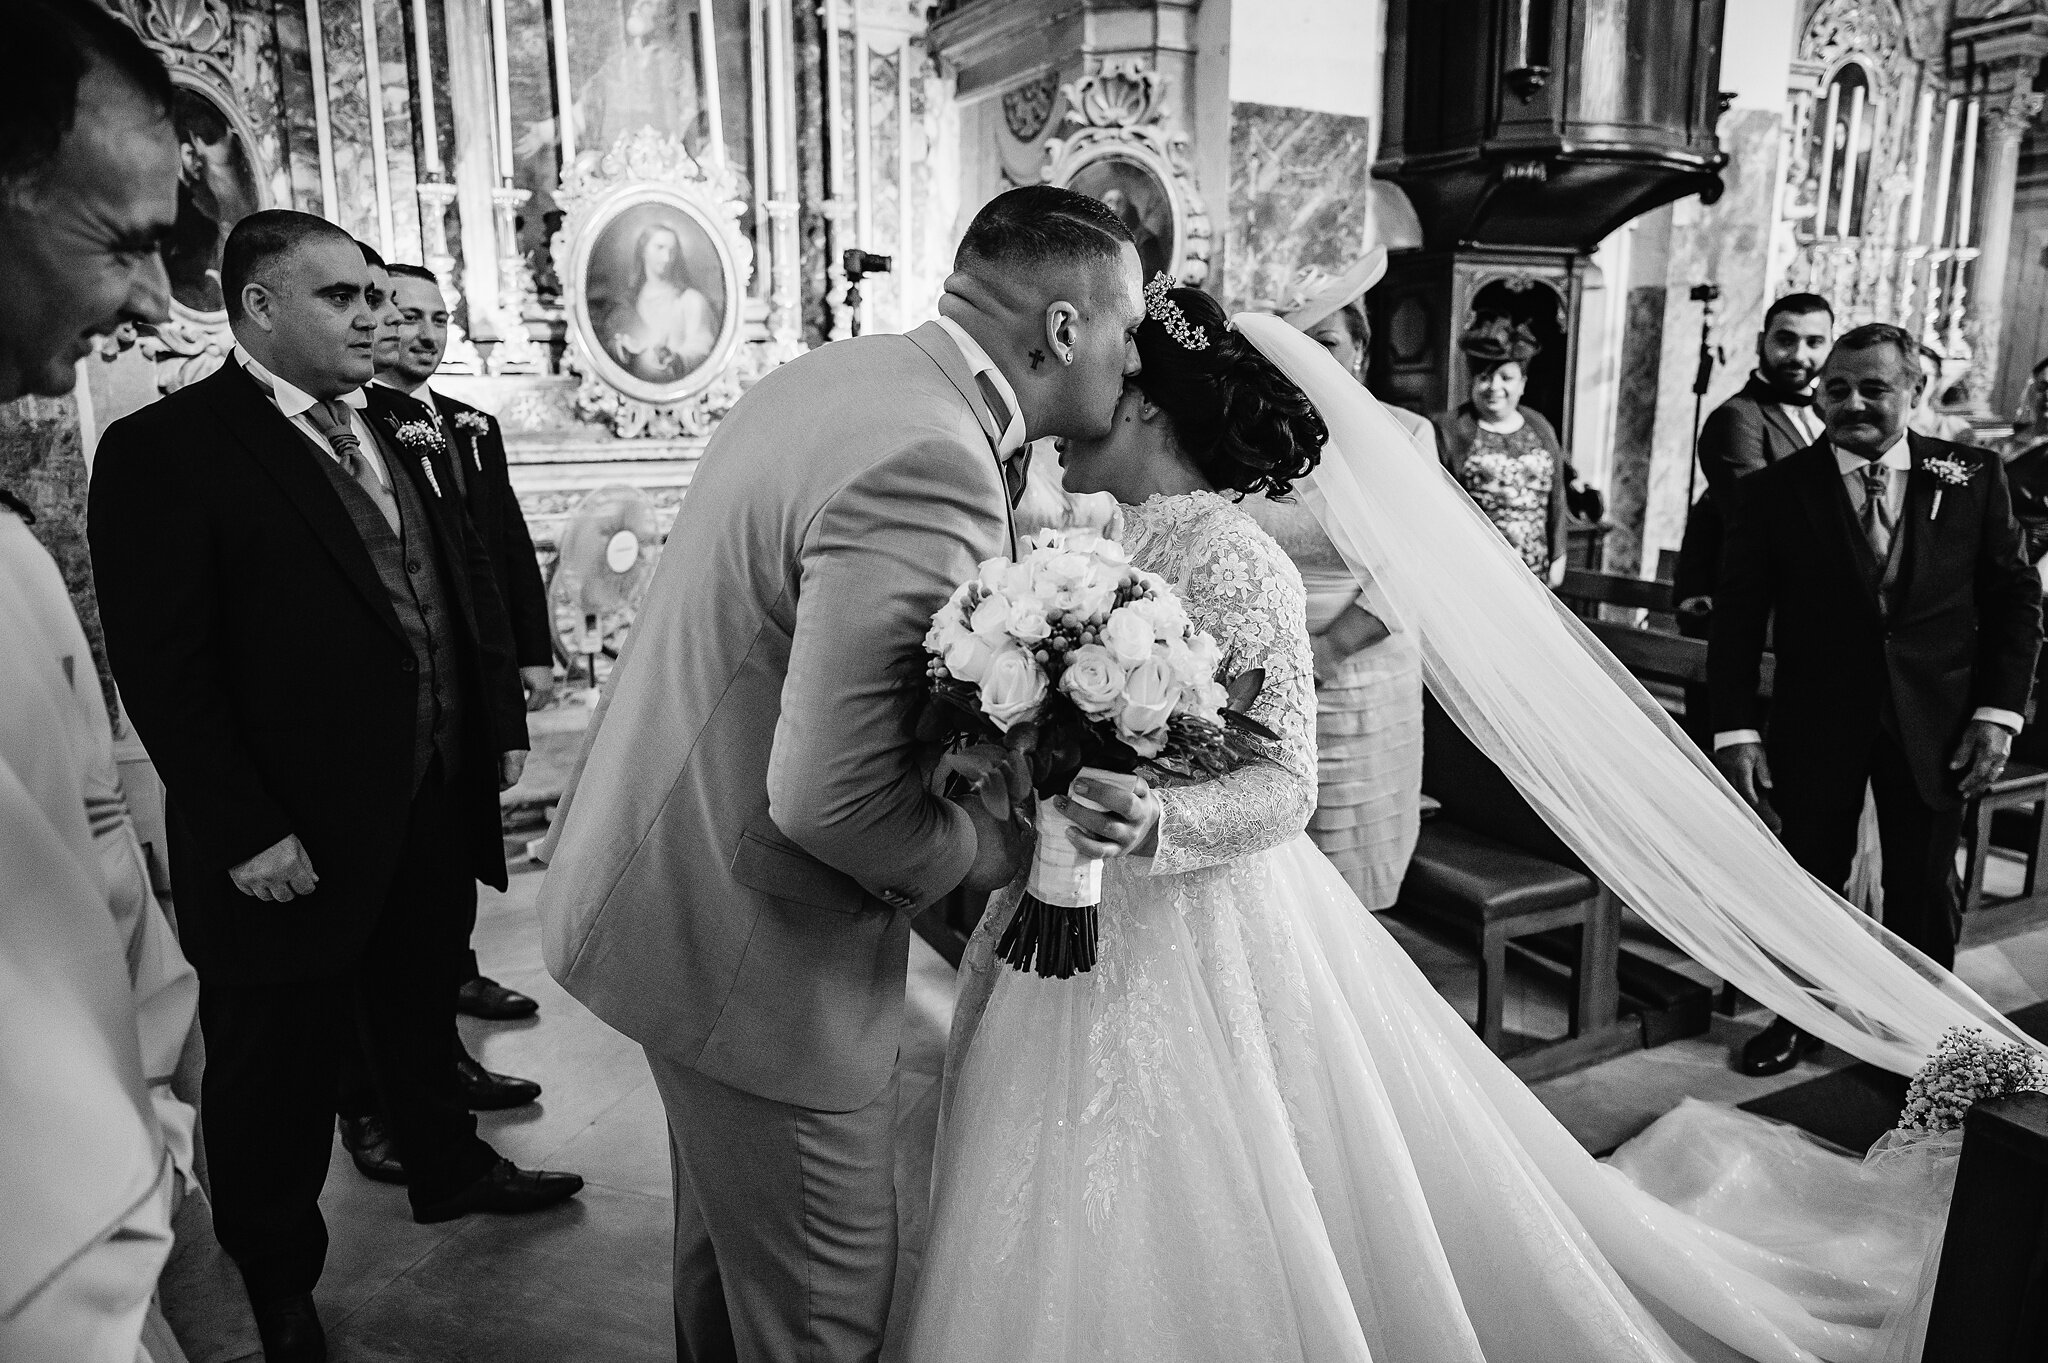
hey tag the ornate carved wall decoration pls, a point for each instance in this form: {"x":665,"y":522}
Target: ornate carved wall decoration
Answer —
{"x":1028,"y":108}
{"x":195,"y":35}
{"x":655,"y":287}
{"x":1118,"y":145}
{"x":224,"y":175}
{"x":1858,"y":248}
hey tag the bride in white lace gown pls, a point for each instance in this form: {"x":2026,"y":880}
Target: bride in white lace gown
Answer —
{"x":1255,"y":1131}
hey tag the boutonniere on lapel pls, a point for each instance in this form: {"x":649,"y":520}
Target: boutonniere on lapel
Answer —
{"x":478,"y":425}
{"x":1950,"y":470}
{"x":422,"y":439}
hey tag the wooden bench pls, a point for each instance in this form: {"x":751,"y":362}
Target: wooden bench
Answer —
{"x":1586,"y":592}
{"x":1991,"y":1293}
{"x":2023,"y":786}
{"x":1489,"y":869}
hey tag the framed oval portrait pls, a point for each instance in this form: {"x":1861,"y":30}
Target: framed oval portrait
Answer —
{"x":219,"y":183}
{"x":1135,"y":191}
{"x":655,"y":293}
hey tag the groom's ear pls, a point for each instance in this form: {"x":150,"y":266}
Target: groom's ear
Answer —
{"x":1062,"y":329}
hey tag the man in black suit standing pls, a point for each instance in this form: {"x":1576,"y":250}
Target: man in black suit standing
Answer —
{"x":1771,"y":419}
{"x":1907,"y":622}
{"x":312,"y":649}
{"x":474,"y":453}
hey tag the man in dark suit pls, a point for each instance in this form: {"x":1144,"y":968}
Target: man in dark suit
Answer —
{"x":1907,"y":623}
{"x":1769,"y":420}
{"x":365,"y":1132}
{"x":312,"y":649}
{"x":474,"y":456}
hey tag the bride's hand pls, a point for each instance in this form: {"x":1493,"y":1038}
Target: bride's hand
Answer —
{"x":1127,"y":825}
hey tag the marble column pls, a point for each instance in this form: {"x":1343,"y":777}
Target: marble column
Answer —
{"x":2008,"y":118}
{"x":476,"y":159}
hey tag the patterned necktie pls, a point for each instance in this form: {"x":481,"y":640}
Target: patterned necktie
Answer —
{"x":1877,"y":511}
{"x":332,"y":420}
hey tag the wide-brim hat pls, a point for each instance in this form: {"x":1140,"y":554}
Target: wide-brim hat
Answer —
{"x":1491,"y":338}
{"x":1316,"y":293}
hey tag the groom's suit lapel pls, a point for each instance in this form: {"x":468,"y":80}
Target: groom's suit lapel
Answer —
{"x":939,"y":347}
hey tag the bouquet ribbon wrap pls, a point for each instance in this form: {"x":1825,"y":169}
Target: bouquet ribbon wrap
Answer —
{"x":1053,"y":931}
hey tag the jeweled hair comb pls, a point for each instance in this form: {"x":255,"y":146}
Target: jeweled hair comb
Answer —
{"x":1167,"y":313}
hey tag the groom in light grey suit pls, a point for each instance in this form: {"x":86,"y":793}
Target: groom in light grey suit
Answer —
{"x":733,"y":874}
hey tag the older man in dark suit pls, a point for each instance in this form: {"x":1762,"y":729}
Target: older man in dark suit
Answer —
{"x":311,"y":647}
{"x":1907,"y":623}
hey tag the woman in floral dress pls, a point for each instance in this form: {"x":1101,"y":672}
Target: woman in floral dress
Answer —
{"x":1504,"y":454}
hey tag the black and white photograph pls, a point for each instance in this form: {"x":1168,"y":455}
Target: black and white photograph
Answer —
{"x":1015,"y":681}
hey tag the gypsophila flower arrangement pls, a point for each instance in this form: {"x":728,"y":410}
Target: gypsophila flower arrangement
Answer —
{"x":476,"y":423}
{"x":1951,"y":470}
{"x":1967,"y":1068}
{"x":417,"y":435}
{"x":1078,"y":661}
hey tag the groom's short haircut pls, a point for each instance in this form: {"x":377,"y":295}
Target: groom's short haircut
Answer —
{"x":1038,"y":224}
{"x":263,"y":237}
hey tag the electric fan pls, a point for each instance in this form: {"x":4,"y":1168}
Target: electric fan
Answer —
{"x":608,"y":551}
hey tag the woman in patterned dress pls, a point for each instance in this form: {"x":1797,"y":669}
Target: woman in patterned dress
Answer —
{"x":1368,"y":670}
{"x":1504,"y":454}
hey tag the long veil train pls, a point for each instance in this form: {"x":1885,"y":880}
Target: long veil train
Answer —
{"x":1596,"y":755}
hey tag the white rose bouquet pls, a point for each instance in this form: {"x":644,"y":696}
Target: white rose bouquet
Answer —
{"x":1078,"y":661}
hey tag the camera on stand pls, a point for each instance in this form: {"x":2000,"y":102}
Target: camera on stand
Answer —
{"x":859,"y":265}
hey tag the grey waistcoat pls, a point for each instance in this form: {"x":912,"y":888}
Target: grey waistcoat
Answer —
{"x":410,"y":570}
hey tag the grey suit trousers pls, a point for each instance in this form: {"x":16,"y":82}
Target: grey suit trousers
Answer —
{"x":785,"y":1247}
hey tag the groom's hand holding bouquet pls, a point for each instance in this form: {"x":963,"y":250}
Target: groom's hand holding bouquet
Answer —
{"x":1080,"y":670}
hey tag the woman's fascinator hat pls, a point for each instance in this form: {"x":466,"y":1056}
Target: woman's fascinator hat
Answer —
{"x":1316,"y":293}
{"x":1494,"y":339}
{"x":1161,"y":308}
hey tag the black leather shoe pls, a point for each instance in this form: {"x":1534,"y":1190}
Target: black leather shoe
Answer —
{"x":369,"y":1145}
{"x":483,"y":1091}
{"x":290,"y":1330}
{"x":485,"y":998}
{"x":1775,"y":1049}
{"x":507,"y":1190}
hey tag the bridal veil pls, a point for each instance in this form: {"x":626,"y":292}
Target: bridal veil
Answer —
{"x":1595,"y":754}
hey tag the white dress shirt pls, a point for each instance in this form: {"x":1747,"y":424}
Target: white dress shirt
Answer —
{"x":1013,"y":436}
{"x":1898,"y":465}
{"x":1804,"y":420}
{"x":294,"y":402}
{"x":422,"y":394}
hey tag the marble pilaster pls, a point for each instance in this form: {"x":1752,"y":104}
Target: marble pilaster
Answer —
{"x":808,"y":44}
{"x":2010,"y":115}
{"x":1295,"y":197}
{"x":348,"y":118}
{"x":42,"y":461}
{"x":474,"y":117}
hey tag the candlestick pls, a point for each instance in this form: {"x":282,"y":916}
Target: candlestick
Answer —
{"x":1964,"y":204}
{"x":501,"y":61}
{"x":423,"y":57}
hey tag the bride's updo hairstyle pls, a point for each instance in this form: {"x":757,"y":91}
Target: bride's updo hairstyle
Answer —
{"x":1240,"y":420}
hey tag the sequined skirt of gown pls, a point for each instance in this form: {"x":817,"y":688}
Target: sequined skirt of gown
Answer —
{"x":1256,"y":1132}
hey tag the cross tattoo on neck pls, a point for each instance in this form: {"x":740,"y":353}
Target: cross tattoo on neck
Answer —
{"x":1037,"y":358}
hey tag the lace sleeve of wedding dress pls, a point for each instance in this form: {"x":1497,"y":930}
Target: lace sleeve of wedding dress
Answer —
{"x":1238,"y":585}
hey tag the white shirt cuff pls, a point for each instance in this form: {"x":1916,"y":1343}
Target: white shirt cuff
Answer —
{"x":2004,"y":719}
{"x":1732,"y":737}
